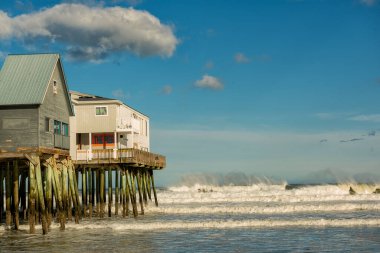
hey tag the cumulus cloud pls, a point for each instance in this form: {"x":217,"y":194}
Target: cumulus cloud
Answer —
{"x":209,"y":82}
{"x":368,"y":2}
{"x":167,"y":89}
{"x":241,"y":58}
{"x":369,"y":117}
{"x":93,"y":33}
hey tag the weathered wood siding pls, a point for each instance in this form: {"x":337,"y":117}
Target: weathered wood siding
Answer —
{"x":55,"y":107}
{"x":18,"y":128}
{"x":88,"y":122}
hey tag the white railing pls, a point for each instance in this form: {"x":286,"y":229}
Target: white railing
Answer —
{"x":122,"y":155}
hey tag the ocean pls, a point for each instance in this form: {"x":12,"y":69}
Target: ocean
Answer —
{"x":256,"y":218}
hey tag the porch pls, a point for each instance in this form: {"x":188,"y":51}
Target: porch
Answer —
{"x":130,"y":156}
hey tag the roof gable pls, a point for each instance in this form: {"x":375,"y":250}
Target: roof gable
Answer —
{"x":25,"y":78}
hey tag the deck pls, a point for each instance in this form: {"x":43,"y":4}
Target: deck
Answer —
{"x":131,"y":157}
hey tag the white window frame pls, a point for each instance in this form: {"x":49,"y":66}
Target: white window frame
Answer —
{"x":101,"y":115}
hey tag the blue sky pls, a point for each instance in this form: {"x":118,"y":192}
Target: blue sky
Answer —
{"x":286,"y":89}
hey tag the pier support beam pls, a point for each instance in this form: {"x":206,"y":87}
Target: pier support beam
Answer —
{"x":1,"y":194}
{"x":41,"y":199}
{"x":32,"y":198}
{"x":117,"y":199}
{"x":57,"y":188}
{"x":90,"y":192}
{"x":8,"y":183}
{"x":137,"y":175}
{"x":154,"y":188}
{"x":109,"y":191}
{"x":16,"y":194}
{"x":48,"y":193}
{"x":101,"y":193}
{"x":84,"y":191}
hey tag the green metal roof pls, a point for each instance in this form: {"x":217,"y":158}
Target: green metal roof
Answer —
{"x":25,"y":78}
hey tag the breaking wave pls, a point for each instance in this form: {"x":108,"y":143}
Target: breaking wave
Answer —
{"x":215,"y":224}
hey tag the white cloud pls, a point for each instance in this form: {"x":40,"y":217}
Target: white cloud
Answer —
{"x":241,"y":58}
{"x":368,"y":2}
{"x":369,"y":117}
{"x":92,"y":33}
{"x":209,"y":82}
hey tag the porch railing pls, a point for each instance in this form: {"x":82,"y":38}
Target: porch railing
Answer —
{"x":130,"y":155}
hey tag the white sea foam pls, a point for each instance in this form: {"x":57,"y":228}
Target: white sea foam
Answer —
{"x":217,"y":224}
{"x":258,"y":209}
{"x":267,"y":194}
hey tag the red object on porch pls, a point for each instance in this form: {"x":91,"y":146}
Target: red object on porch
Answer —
{"x":105,"y":140}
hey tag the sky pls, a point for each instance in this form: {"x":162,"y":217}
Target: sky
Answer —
{"x":284,"y":89}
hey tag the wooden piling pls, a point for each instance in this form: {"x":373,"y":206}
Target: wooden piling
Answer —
{"x":143,"y":186}
{"x":1,"y":194}
{"x":127,"y":192}
{"x":123,"y":187}
{"x":40,"y":189}
{"x":84,"y":191}
{"x":90,"y":192}
{"x":109,"y":191}
{"x":147,"y":184}
{"x":23,"y":194}
{"x":32,"y":198}
{"x":98,"y":192}
{"x":16,"y":194}
{"x":8,"y":183}
{"x":154,"y":188}
{"x":66,"y":198}
{"x":48,"y":193}
{"x":132,"y":192}
{"x":102,"y":187}
{"x":72,"y":192}
{"x":117,"y":191}
{"x":58,"y":194}
{"x":138,"y":179}
{"x":76,"y":191}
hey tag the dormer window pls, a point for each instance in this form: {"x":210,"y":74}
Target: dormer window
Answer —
{"x":55,"y":87}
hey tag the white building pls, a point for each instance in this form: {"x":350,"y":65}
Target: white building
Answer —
{"x":105,"y":127}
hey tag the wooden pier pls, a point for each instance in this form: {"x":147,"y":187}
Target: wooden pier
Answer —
{"x":40,"y":186}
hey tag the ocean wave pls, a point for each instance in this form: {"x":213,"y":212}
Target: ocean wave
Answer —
{"x":276,"y":209}
{"x":268,"y":193}
{"x":216,"y":224}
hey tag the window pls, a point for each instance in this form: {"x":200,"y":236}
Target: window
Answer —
{"x":57,"y":127}
{"x":101,"y":111}
{"x":108,"y":139}
{"x":97,"y":139}
{"x":65,"y":129}
{"x":55,"y":87}
{"x":47,"y":124}
{"x":103,"y":140}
